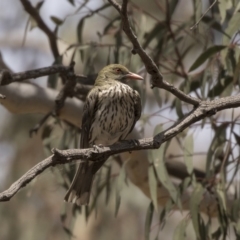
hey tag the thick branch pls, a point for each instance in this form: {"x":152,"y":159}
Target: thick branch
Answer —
{"x":151,"y":67}
{"x":7,"y":77}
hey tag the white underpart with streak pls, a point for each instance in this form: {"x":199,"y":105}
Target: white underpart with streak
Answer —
{"x":115,"y":115}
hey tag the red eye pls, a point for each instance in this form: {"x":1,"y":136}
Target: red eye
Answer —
{"x":118,"y":70}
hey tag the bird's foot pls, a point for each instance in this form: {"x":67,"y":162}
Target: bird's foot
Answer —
{"x":98,"y":147}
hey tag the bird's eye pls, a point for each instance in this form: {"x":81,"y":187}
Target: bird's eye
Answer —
{"x":118,"y":70}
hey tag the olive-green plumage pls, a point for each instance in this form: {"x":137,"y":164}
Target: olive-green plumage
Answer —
{"x":109,"y":115}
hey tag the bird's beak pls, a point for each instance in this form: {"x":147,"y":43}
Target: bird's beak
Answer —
{"x":131,"y":75}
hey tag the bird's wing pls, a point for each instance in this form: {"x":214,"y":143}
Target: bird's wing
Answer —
{"x":88,"y":117}
{"x":79,"y":191}
{"x":137,"y":108}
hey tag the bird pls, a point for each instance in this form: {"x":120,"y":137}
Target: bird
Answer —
{"x":110,"y":113}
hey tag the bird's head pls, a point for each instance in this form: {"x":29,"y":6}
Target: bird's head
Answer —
{"x":116,"y":72}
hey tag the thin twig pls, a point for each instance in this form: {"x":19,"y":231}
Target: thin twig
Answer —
{"x":196,"y":24}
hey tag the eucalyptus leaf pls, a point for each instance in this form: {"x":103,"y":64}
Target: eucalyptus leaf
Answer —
{"x":206,"y":55}
{"x":195,"y":200}
{"x":153,"y":184}
{"x":180,"y":230}
{"x":57,"y":20}
{"x":188,"y":153}
{"x":148,"y":221}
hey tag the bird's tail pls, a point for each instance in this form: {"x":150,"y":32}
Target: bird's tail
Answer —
{"x":80,"y":189}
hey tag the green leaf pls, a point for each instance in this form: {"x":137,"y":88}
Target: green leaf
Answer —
{"x":153,"y":184}
{"x":220,"y":190}
{"x":167,"y":208}
{"x":158,"y":31}
{"x":157,"y":129}
{"x":118,"y":202}
{"x":148,"y":221}
{"x":108,"y":183}
{"x":178,"y":105}
{"x":237,"y":228}
{"x":57,"y":20}
{"x":72,"y":2}
{"x":205,"y":55}
{"x":237,"y":137}
{"x":110,"y":25}
{"x":79,"y":35}
{"x":184,"y":184}
{"x":233,"y":26}
{"x":188,"y":153}
{"x":180,"y":230}
{"x":211,"y":22}
{"x":39,"y":5}
{"x":194,"y":208}
{"x":172,"y":6}
{"x":157,"y":95}
{"x":219,"y":88}
{"x":217,"y":143}
{"x":157,"y":157}
{"x":223,"y":6}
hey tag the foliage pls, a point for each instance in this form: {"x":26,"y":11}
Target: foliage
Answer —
{"x":212,"y":72}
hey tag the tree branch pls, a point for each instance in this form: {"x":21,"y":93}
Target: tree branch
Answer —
{"x":206,"y":108}
{"x":151,"y":67}
{"x":6,"y":77}
{"x":33,"y":12}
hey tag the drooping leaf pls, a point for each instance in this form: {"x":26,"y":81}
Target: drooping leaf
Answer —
{"x":153,"y":184}
{"x":72,"y":2}
{"x":157,"y":95}
{"x":194,"y":208}
{"x":188,"y":153}
{"x":205,"y":55}
{"x":233,"y":26}
{"x":223,"y":6}
{"x":180,"y":230}
{"x":117,"y":206}
{"x":217,"y":234}
{"x":172,"y":6}
{"x":214,"y":24}
{"x":158,"y":128}
{"x":220,"y":190}
{"x":236,"y":77}
{"x":57,"y":20}
{"x":39,"y":5}
{"x":79,"y":35}
{"x":165,"y":211}
{"x":178,"y":105}
{"x":157,"y":31}
{"x":219,"y":88}
{"x":157,"y":157}
{"x":108,"y":183}
{"x":108,"y":28}
{"x":148,"y":221}
{"x":217,"y":142}
{"x":237,"y":137}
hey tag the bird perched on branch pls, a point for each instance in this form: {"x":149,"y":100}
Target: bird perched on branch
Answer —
{"x":110,"y":112}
